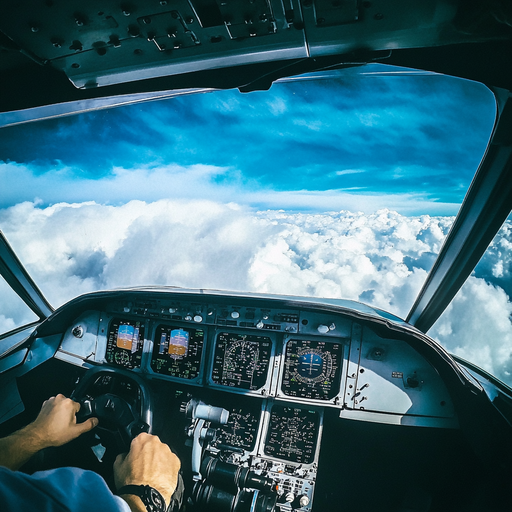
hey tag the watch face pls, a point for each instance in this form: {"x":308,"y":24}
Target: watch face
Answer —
{"x":153,"y":500}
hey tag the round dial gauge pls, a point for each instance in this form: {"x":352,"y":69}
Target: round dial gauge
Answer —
{"x":122,"y":358}
{"x":313,"y":365}
{"x":241,"y":354}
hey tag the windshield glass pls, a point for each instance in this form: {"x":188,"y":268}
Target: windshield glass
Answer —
{"x":341,"y":185}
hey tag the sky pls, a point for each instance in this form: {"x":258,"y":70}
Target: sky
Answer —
{"x":343,"y":188}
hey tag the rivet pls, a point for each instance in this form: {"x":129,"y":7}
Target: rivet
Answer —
{"x":189,"y":20}
{"x":34,"y":28}
{"x":75,"y":65}
{"x":379,"y":16}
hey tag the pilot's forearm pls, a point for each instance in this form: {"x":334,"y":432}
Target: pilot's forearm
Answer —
{"x":17,"y":448}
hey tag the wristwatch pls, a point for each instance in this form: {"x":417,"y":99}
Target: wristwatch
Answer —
{"x":152,"y":499}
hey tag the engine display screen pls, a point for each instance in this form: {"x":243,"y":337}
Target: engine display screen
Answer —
{"x":292,"y":434}
{"x":125,"y":343}
{"x":312,"y":369}
{"x":241,"y":361}
{"x":177,"y":351}
{"x":241,"y":429}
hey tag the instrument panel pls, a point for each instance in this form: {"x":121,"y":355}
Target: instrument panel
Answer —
{"x":238,"y":360}
{"x":276,"y":371}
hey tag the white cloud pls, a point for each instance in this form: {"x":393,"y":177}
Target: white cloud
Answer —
{"x":380,"y":258}
{"x":152,"y":183}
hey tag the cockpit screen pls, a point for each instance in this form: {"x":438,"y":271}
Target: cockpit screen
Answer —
{"x":312,"y":369}
{"x":177,"y":351}
{"x":125,"y":342}
{"x":292,"y":434}
{"x":241,"y":361}
{"x":241,"y":429}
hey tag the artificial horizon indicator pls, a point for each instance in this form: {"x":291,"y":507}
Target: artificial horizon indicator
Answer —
{"x":125,"y":342}
{"x":177,"y":351}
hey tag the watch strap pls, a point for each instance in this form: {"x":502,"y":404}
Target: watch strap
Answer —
{"x":152,"y":499}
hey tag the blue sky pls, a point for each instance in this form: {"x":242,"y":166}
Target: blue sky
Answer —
{"x":410,"y":143}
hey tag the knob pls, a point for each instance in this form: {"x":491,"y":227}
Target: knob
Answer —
{"x":188,"y":317}
{"x":198,"y":318}
{"x":332,"y":327}
{"x":304,"y":501}
{"x":260,"y":325}
{"x":289,"y":497}
{"x":126,"y":309}
{"x":172,"y":310}
{"x":265,"y":316}
{"x":323,"y":329}
{"x":235,"y":314}
{"x":210,"y":312}
{"x":78,"y":331}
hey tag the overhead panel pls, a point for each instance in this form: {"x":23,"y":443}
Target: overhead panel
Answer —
{"x":103,"y":42}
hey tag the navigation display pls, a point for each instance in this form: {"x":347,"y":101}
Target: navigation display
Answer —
{"x":125,"y":342}
{"x":312,"y":369}
{"x":241,"y":361}
{"x":177,"y":351}
{"x":292,"y":434}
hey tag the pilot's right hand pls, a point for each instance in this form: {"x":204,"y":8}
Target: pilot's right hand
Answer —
{"x":149,"y":462}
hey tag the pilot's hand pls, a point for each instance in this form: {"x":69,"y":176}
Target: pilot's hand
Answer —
{"x":149,"y":462}
{"x":56,"y":423}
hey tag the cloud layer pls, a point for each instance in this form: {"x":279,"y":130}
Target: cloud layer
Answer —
{"x":381,"y":259}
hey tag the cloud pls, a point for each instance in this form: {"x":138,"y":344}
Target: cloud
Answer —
{"x":380,"y":258}
{"x":194,"y":182}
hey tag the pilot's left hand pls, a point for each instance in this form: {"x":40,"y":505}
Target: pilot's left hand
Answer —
{"x":56,"y":423}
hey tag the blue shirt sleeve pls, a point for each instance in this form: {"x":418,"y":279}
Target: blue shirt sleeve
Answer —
{"x":57,"y":490}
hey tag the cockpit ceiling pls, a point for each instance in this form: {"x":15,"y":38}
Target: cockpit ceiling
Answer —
{"x":106,"y":42}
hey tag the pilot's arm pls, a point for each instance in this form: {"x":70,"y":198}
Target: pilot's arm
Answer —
{"x":149,"y":463}
{"x":54,"y":426}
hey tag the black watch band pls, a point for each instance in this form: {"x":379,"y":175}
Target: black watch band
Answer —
{"x":152,"y":499}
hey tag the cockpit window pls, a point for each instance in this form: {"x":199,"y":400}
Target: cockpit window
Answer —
{"x":477,"y":324}
{"x":13,"y":311}
{"x":341,"y":185}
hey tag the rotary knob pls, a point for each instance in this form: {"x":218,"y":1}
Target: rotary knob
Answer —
{"x":260,"y":325}
{"x":323,"y":329}
{"x":235,"y":314}
{"x":198,"y":318}
{"x":303,"y":501}
{"x":188,"y":317}
{"x":78,"y":331}
{"x":172,"y":310}
{"x":289,"y":497}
